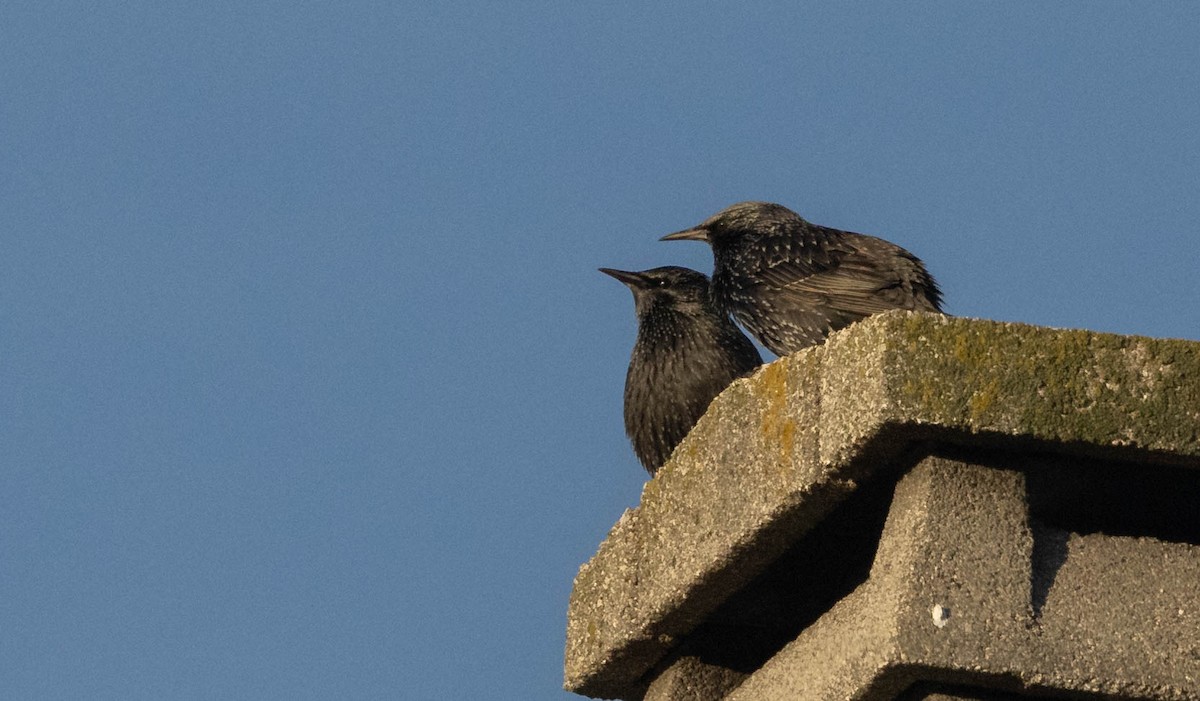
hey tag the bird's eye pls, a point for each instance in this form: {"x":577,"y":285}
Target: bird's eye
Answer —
{"x":662,"y":283}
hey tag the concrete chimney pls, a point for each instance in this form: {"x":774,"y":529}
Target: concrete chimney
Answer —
{"x":924,"y":508}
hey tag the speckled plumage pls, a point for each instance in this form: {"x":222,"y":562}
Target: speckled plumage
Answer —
{"x":686,"y":353}
{"x":791,"y":283}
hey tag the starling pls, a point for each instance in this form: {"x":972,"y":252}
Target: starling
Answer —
{"x":686,"y":353}
{"x":792,"y":283}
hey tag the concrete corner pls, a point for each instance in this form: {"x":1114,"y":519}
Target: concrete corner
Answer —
{"x":922,"y":508}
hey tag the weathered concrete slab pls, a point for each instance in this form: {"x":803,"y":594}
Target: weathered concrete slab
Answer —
{"x":950,"y":598}
{"x":1097,"y":391}
{"x":778,"y":451}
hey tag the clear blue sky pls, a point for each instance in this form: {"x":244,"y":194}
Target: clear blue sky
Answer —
{"x":309,"y":387}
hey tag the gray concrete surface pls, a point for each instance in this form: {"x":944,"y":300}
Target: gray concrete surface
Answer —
{"x":778,"y":453}
{"x":691,"y":679}
{"x":1121,"y":617}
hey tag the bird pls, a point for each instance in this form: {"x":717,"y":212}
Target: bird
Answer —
{"x":791,"y":282}
{"x":686,"y":353}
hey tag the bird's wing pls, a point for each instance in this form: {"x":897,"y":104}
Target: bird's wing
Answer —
{"x":804,"y":251}
{"x":856,"y":276}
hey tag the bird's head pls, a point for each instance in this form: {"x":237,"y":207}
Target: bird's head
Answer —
{"x":739,"y":221}
{"x":681,"y":289}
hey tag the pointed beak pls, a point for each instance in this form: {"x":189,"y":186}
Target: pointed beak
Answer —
{"x":698,"y":233}
{"x":630,"y":279}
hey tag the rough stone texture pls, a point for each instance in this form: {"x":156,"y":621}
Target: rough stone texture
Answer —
{"x":1121,"y":617}
{"x":691,"y":679}
{"x":778,"y":452}
{"x":937,"y":692}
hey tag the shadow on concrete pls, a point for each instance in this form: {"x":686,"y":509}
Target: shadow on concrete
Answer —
{"x":807,"y":580}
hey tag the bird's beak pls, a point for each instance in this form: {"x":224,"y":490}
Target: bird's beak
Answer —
{"x":698,"y":233}
{"x":624,"y":276}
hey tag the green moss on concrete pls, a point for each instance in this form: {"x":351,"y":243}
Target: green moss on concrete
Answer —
{"x":1068,"y":385}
